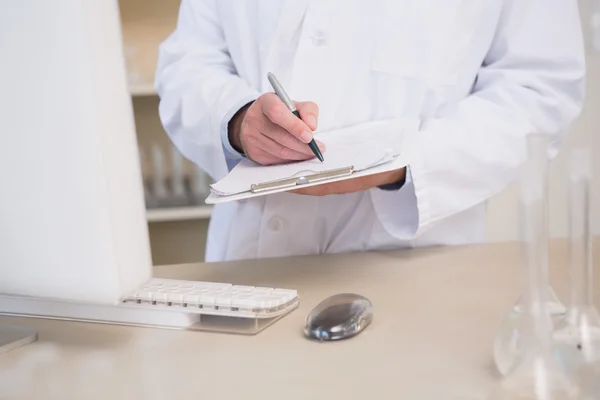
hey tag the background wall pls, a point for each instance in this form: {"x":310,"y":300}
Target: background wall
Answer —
{"x":179,"y":235}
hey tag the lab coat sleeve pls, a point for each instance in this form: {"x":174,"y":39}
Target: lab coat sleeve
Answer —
{"x":199,"y":88}
{"x":531,"y":81}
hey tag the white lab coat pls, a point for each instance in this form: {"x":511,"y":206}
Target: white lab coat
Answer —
{"x":479,"y":75}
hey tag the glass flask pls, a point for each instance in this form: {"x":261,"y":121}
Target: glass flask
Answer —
{"x":595,"y":24}
{"x":536,"y":373}
{"x":508,"y":343}
{"x":577,"y":337}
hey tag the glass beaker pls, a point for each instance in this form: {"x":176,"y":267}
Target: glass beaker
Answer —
{"x":535,"y":374}
{"x":595,"y":24}
{"x":577,"y":337}
{"x":508,"y":343}
{"x":159,"y":180}
{"x":177,"y":179}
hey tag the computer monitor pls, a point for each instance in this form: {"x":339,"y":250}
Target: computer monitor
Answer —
{"x":72,"y":213}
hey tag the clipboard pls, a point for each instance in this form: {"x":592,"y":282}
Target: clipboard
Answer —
{"x":330,"y":176}
{"x":307,"y":178}
{"x":301,"y":180}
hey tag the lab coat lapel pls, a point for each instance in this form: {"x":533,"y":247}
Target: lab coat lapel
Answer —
{"x":290,"y":17}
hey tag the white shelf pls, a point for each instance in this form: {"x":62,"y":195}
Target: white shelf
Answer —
{"x":144,"y":89}
{"x":179,"y":213}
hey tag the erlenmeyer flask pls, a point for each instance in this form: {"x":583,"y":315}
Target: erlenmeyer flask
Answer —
{"x":577,"y":336}
{"x":536,"y":374}
{"x":508,"y":343}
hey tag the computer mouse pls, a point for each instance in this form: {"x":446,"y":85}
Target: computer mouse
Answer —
{"x":340,"y":316}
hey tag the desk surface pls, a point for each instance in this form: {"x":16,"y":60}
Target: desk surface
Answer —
{"x":436,"y":313}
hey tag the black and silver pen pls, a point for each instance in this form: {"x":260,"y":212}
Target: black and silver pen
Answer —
{"x":290,"y":104}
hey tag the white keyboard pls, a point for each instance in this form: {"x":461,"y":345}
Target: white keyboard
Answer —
{"x":214,"y":298}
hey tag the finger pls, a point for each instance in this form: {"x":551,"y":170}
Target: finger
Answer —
{"x":309,"y":112}
{"x":283,"y":137}
{"x":321,"y":146}
{"x":305,"y":192}
{"x":261,"y":157}
{"x":279,"y":151}
{"x":311,"y":191}
{"x":274,"y":109}
{"x":341,"y":187}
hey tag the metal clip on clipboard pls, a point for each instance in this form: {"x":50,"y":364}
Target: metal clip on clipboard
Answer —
{"x":301,"y":180}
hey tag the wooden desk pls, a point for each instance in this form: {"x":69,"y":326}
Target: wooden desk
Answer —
{"x":436,"y":313}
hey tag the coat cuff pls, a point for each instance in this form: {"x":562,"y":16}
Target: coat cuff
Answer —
{"x":228,"y":110}
{"x":397,"y":210}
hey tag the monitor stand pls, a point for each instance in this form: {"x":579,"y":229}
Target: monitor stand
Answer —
{"x":12,"y":337}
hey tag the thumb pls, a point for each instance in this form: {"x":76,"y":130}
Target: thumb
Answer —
{"x":309,"y":113}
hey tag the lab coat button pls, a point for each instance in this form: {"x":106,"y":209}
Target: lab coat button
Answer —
{"x":319,"y":38}
{"x":276,"y":224}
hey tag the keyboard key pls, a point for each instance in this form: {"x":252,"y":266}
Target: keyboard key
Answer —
{"x":284,"y":294}
{"x":243,"y":301}
{"x":177,"y":296}
{"x":241,"y":290}
{"x":223,"y":301}
{"x":266,"y":302}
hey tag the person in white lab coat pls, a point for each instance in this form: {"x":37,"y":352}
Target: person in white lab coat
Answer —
{"x":478,"y":75}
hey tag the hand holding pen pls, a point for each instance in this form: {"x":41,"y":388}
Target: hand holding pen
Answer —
{"x":274,"y":130}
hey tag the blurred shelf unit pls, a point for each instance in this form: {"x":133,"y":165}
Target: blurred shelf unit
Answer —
{"x":145,"y":24}
{"x":178,"y":214}
{"x":144,"y":89}
{"x":174,"y":188}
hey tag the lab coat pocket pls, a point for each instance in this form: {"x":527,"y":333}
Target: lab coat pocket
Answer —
{"x":424,"y":40}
